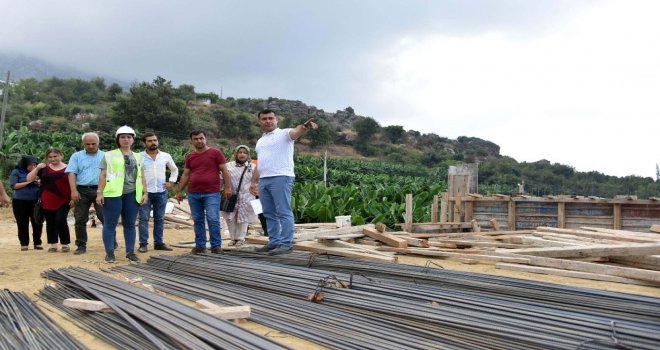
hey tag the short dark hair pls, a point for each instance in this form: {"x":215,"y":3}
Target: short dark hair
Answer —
{"x":265,"y":111}
{"x":197,"y":132}
{"x":148,"y":134}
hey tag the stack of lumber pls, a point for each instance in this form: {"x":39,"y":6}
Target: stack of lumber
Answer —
{"x":180,"y":216}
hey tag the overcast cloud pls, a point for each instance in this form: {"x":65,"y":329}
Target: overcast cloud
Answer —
{"x":573,"y":82}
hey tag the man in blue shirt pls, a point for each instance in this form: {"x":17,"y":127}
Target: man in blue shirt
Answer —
{"x":153,"y":170}
{"x":84,"y":172}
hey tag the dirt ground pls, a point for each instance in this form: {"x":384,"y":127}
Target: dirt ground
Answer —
{"x":20,"y":271}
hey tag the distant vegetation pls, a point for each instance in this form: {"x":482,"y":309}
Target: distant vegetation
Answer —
{"x":54,"y":112}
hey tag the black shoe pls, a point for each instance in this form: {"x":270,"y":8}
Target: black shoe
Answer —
{"x":38,"y":247}
{"x":265,"y":248}
{"x":110,"y":257}
{"x":282,"y":249}
{"x":80,"y":250}
{"x":132,"y":257}
{"x":143,"y":248}
{"x":162,"y":246}
{"x":198,"y":251}
{"x":216,"y":250}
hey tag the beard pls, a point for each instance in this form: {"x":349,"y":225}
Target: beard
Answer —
{"x":153,"y":147}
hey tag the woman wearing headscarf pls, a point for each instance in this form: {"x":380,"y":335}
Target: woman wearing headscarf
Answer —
{"x":55,"y":198}
{"x":26,"y":194}
{"x":243,"y":214}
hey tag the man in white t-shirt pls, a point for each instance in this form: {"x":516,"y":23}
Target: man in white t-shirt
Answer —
{"x":274,"y":177}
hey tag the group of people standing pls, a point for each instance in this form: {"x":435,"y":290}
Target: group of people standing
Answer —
{"x":123,"y":183}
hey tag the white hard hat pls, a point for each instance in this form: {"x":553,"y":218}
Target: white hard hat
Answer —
{"x":125,"y":130}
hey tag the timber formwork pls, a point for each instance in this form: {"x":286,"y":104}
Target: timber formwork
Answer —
{"x":526,"y":212}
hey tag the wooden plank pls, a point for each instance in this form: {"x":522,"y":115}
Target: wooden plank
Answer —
{"x":224,"y":312}
{"x":623,"y":233}
{"x":469,"y":211}
{"x":434,"y":209}
{"x":627,"y":272}
{"x":593,"y":250}
{"x":590,"y":234}
{"x":616,"y":216}
{"x":415,"y":242}
{"x":346,"y":236}
{"x":308,"y":236}
{"x":458,"y":208}
{"x":568,"y":273}
{"x":318,"y":248}
{"x":444,"y":204}
{"x":478,"y":257}
{"x":512,"y":215}
{"x":655,"y":228}
{"x":409,"y":212}
{"x":386,"y":238}
{"x":561,"y":214}
{"x":465,"y":243}
{"x":87,"y":305}
{"x":494,"y":224}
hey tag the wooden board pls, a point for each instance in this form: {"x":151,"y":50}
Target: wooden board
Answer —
{"x":386,"y":238}
{"x":593,"y":250}
{"x":568,"y":273}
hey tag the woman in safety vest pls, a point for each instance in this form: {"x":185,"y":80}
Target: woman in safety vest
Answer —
{"x":121,"y":192}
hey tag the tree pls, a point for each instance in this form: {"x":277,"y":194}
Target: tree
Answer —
{"x":394,"y":133}
{"x":154,"y":106}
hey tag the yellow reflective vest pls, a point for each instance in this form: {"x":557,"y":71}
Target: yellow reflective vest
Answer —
{"x":114,"y":175}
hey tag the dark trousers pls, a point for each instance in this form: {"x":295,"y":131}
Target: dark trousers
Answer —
{"x":57,"y":228}
{"x":24,"y":214}
{"x":81,"y":213}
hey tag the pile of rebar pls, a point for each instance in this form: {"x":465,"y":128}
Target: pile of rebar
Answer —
{"x":369,"y":305}
{"x":142,"y":319}
{"x":24,"y":326}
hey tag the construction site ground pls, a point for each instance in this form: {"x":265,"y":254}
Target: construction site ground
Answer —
{"x":21,"y":271}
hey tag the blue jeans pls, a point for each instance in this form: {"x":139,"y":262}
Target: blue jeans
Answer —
{"x":158,"y":201}
{"x":127,"y":207}
{"x":275,"y":197}
{"x":205,"y":206}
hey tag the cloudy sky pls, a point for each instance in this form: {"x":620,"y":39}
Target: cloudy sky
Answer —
{"x":574,"y":82}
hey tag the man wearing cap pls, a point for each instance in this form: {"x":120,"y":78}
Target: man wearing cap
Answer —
{"x":274,"y":177}
{"x":155,"y":162}
{"x":83,"y":170}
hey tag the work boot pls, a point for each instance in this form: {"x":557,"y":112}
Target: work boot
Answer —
{"x":265,"y":248}
{"x":198,"y":251}
{"x":281,"y":249}
{"x":110,"y":257}
{"x":216,"y":250}
{"x":143,"y":248}
{"x":80,"y":250}
{"x":132,"y":257}
{"x":162,"y":246}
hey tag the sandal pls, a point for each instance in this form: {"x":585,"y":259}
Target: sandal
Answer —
{"x":52,"y":250}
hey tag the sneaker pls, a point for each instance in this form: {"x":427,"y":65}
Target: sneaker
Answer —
{"x":162,"y":246}
{"x":65,"y":249}
{"x":265,"y":248}
{"x":80,"y":250}
{"x":143,"y":248}
{"x":198,"y":251}
{"x":52,"y":250}
{"x":38,"y":247}
{"x":282,"y":249}
{"x":110,"y":257}
{"x":216,"y":250}
{"x":24,"y":248}
{"x":132,"y":257}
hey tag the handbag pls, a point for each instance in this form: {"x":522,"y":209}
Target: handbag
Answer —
{"x":38,"y":213}
{"x":228,"y":205}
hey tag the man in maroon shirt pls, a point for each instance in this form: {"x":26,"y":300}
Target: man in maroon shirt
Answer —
{"x":201,"y":171}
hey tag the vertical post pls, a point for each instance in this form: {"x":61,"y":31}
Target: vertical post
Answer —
{"x":409,"y":212}
{"x":434,"y":209}
{"x":469,"y":210}
{"x":512,"y":214}
{"x":325,"y":169}
{"x":616,"y":216}
{"x":444,"y":204}
{"x":5,"y":94}
{"x":458,"y":207}
{"x":561,"y":214}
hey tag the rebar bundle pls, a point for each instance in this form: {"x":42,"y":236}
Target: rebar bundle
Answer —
{"x":368,"y":305}
{"x":24,"y":326}
{"x":142,"y":319}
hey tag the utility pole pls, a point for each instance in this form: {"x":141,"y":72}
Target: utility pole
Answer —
{"x":5,"y":93}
